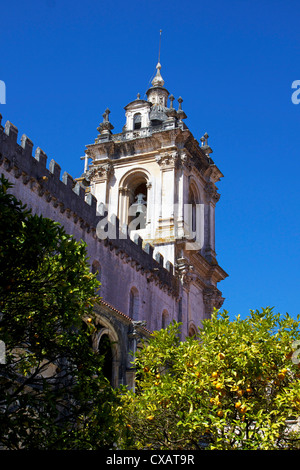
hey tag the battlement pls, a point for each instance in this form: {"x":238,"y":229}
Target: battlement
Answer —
{"x":32,"y":169}
{"x":71,"y":198}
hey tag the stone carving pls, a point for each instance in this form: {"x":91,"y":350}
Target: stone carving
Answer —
{"x":185,"y":272}
{"x":212,"y":298}
{"x":167,"y":160}
{"x":100,"y":172}
{"x":211,"y":193}
{"x":105,"y":127}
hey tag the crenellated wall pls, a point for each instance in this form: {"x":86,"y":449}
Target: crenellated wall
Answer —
{"x":124,"y":263}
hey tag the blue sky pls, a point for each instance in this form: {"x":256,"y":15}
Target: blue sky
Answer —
{"x":233,"y":62}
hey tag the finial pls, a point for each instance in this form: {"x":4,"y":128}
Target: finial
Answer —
{"x":205,"y":145}
{"x":158,"y":80}
{"x":171,"y":98}
{"x":180,"y":113}
{"x":106,"y":115}
{"x":105,"y":127}
{"x":204,"y":139}
{"x":138,"y":96}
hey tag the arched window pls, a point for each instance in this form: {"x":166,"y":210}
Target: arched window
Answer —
{"x":192,"y":211}
{"x":105,"y":341}
{"x":138,"y":207}
{"x":165,"y":319}
{"x":133,"y":200}
{"x":137,"y":121}
{"x":134,"y":303}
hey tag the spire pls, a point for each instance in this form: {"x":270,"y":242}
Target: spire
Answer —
{"x":158,"y":80}
{"x":159,"y":46}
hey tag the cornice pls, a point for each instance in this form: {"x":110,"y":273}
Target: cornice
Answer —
{"x":208,"y":271}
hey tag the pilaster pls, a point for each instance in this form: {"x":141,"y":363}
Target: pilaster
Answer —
{"x":165,"y":228}
{"x":100,"y":176}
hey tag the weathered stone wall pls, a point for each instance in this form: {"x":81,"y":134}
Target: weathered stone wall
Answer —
{"x":124,"y":263}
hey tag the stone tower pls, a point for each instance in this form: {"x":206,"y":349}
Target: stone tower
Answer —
{"x":160,"y":184}
{"x":145,"y":207}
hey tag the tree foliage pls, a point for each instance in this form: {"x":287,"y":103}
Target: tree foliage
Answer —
{"x":234,"y":386}
{"x":52,"y":391}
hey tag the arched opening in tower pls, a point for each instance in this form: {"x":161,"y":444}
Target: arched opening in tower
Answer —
{"x":138,"y":207}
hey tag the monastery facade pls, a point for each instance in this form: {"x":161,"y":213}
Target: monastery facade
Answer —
{"x":145,"y":207}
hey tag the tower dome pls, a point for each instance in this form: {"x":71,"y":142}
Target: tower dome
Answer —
{"x":158,"y":97}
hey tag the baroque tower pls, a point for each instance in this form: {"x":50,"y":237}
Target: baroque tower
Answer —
{"x":145,"y":207}
{"x":160,"y":184}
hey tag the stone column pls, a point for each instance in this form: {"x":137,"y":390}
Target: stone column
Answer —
{"x":100,"y":176}
{"x":211,"y":198}
{"x":123,"y":204}
{"x":167,"y":163}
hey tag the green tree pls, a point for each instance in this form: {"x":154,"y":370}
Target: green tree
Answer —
{"x":234,"y":386}
{"x":52,"y":391}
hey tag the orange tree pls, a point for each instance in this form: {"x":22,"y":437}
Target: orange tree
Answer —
{"x":234,"y":386}
{"x":53,"y":394}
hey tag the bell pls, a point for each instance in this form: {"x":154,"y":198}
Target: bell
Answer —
{"x":140,"y":203}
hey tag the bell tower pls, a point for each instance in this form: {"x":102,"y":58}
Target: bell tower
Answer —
{"x":161,"y":184}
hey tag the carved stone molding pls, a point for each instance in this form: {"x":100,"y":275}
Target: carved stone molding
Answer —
{"x":124,"y":191}
{"x":185,"y":160}
{"x":185,"y":272}
{"x":212,"y":298}
{"x":213,"y":173}
{"x":100,"y":172}
{"x":176,"y":160}
{"x":211,"y":194}
{"x":167,"y":160}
